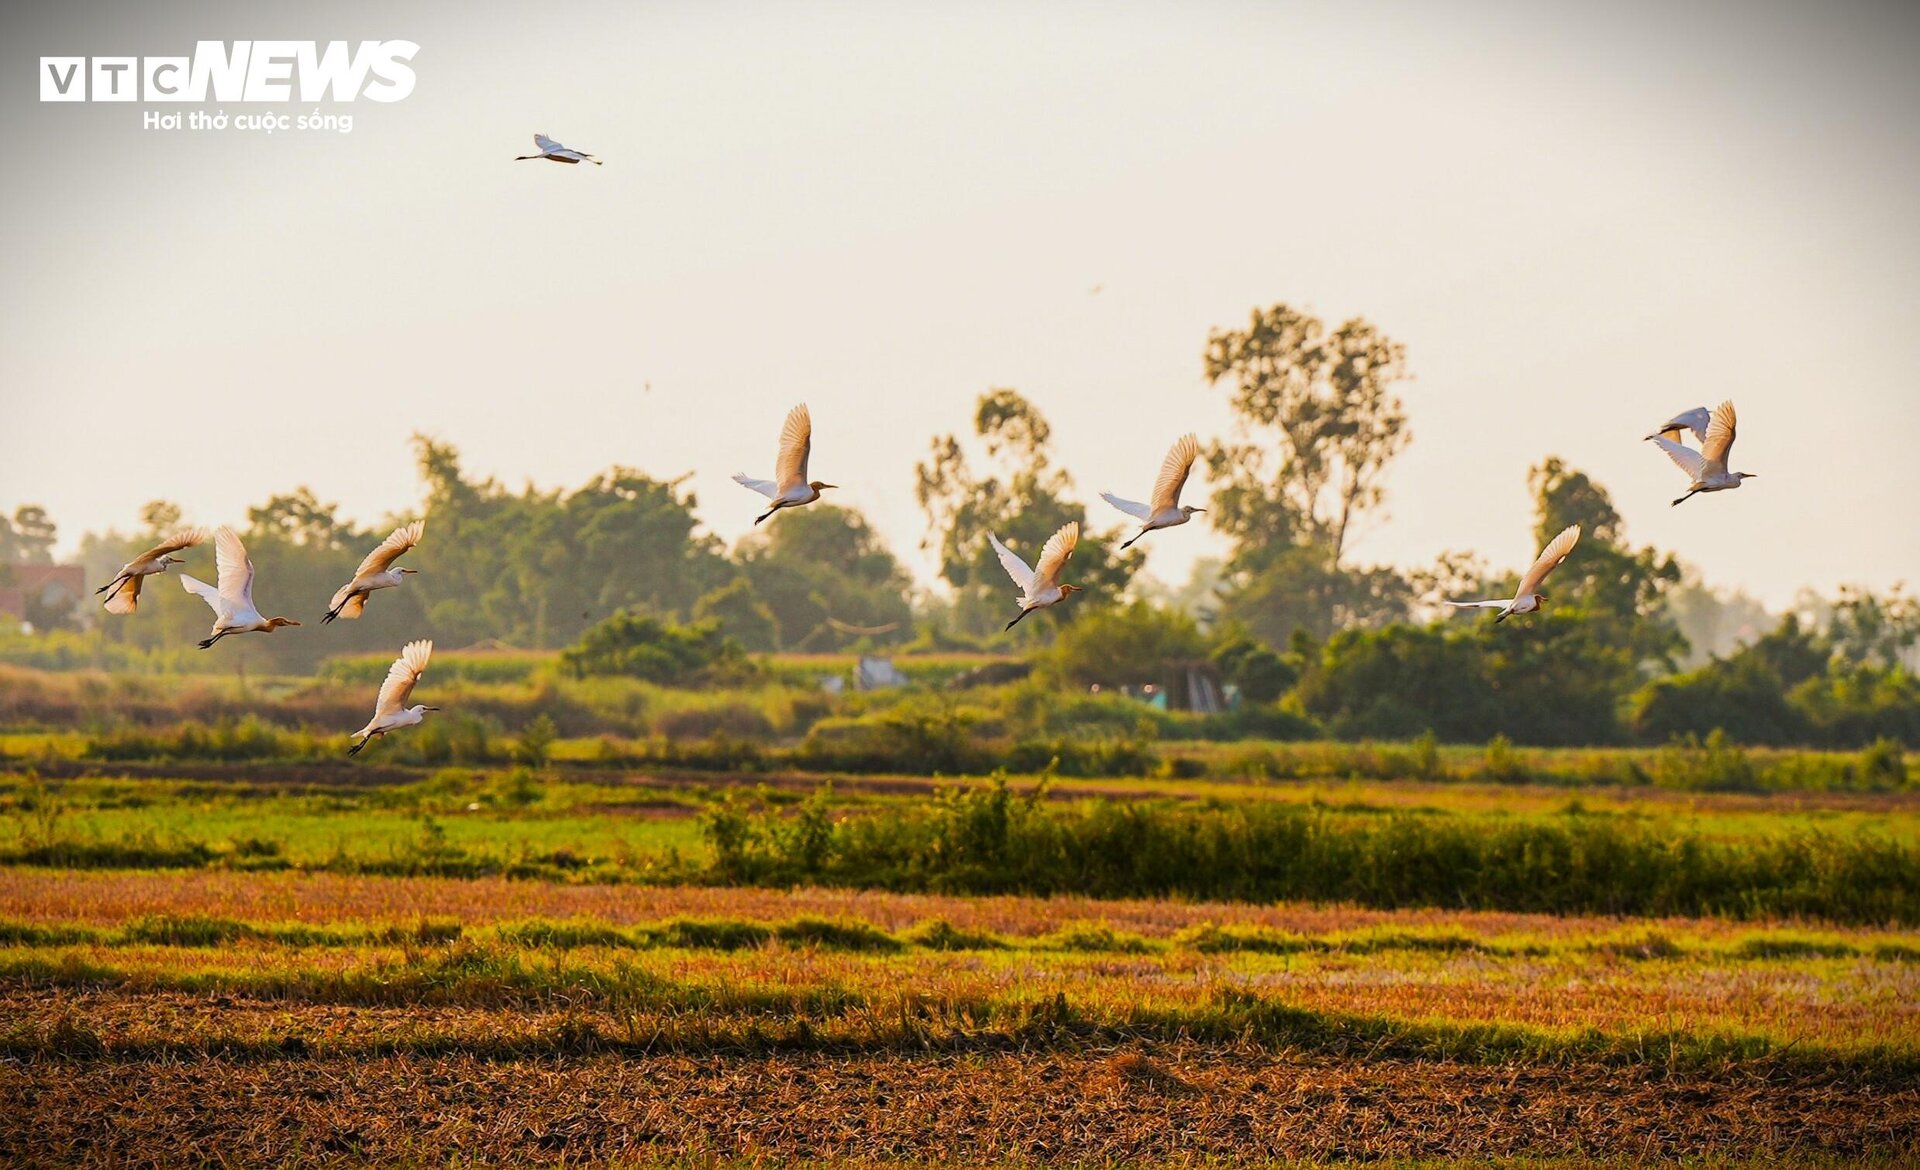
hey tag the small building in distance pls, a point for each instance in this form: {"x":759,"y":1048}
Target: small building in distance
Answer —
{"x":26,"y":590}
{"x":874,"y":673}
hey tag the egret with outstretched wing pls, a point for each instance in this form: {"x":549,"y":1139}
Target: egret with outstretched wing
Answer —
{"x":376,"y":572}
{"x":1165,"y":509}
{"x":1040,"y":585}
{"x":789,"y":487}
{"x":1528,"y":597}
{"x":1695,"y":420}
{"x":554,"y":152}
{"x":391,"y":712}
{"x":1707,"y":468}
{"x":232,"y":601}
{"x":123,"y":592}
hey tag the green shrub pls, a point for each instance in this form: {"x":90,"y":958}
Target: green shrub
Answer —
{"x":564,"y":935}
{"x":922,"y":736}
{"x":1714,"y":765}
{"x":835,"y":935}
{"x":185,"y":930}
{"x":710,"y":934}
{"x":535,"y":744}
{"x":642,"y":646}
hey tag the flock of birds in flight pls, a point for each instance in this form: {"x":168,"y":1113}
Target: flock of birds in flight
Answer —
{"x":1039,"y":584}
{"x":234,"y":611}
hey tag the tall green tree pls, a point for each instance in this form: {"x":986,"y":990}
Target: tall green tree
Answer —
{"x":1298,"y":589}
{"x":1126,"y":645}
{"x":30,"y":538}
{"x":1316,"y":422}
{"x":739,"y":613}
{"x":538,"y":568}
{"x":829,"y":579}
{"x":159,"y":518}
{"x":1870,"y":628}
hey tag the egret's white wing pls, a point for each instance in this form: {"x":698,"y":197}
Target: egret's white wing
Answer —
{"x":765,"y":487}
{"x":1010,"y":561}
{"x":125,"y":599}
{"x":236,"y":567}
{"x":1479,"y":604}
{"x":202,"y":590}
{"x":1173,"y":472}
{"x":796,"y":444}
{"x":1053,"y":558}
{"x":546,"y":144}
{"x":382,"y":558}
{"x":1694,"y":420}
{"x":1719,"y":441}
{"x":405,"y":671}
{"x":185,"y":538}
{"x":1686,"y":458}
{"x":1550,"y":558}
{"x":1137,"y":511}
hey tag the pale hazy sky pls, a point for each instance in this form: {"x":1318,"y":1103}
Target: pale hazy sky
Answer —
{"x":1578,"y":218}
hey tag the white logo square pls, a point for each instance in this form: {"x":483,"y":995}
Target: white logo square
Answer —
{"x":115,"y":79}
{"x":63,"y":79}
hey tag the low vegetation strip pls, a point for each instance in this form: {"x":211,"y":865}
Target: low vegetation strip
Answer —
{"x":938,"y":934}
{"x":988,"y":841}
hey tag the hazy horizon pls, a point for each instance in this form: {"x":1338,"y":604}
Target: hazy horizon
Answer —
{"x":1577,"y":221}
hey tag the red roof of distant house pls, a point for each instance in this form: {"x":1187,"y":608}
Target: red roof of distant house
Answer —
{"x":42,"y":581}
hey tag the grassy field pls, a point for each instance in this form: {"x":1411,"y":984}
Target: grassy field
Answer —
{"x":315,"y":961}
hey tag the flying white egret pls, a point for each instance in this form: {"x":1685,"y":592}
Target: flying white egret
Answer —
{"x":123,"y":592}
{"x":391,"y":712}
{"x":1528,"y":597}
{"x":376,"y":572}
{"x":232,"y":602}
{"x":554,"y":152}
{"x":1695,"y":420}
{"x":1040,"y":587}
{"x":790,"y":487}
{"x":1707,"y":467}
{"x":1166,"y":510}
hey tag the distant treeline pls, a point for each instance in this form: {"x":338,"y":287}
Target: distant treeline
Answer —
{"x":621,"y":576}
